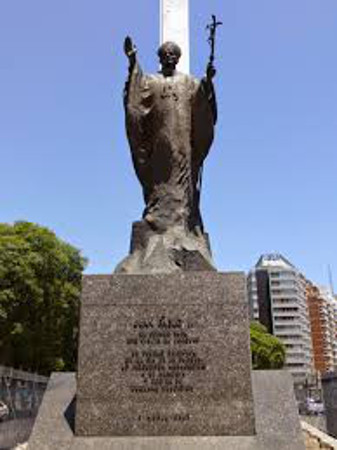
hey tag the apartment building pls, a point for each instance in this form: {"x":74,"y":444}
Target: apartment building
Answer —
{"x":277,"y":298}
{"x":323,"y":318}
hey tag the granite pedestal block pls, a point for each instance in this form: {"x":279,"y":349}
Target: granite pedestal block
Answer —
{"x":164,"y":364}
{"x":164,"y":355}
{"x":276,"y":418}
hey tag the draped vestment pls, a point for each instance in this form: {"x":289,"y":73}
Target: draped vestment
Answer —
{"x":170,"y":126}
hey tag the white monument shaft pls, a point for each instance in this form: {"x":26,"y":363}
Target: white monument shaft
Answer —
{"x":174,"y":26}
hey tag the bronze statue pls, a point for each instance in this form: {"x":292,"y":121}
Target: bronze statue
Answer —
{"x":170,"y":118}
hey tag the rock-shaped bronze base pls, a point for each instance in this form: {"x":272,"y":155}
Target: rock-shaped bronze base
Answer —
{"x":175,"y":250}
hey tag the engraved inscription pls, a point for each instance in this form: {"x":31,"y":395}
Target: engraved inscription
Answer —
{"x":164,"y":418}
{"x":161,"y":355}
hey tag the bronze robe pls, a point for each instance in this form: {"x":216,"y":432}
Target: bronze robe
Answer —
{"x":170,"y":123}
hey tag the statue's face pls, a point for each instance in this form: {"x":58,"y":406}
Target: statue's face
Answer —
{"x":169,"y":57}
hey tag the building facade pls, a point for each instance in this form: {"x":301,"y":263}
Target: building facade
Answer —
{"x":277,"y":298}
{"x":323,"y":318}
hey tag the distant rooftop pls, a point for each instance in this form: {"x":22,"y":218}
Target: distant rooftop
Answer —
{"x":274,"y":260}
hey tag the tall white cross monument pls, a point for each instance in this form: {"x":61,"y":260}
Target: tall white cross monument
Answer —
{"x":174,"y":26}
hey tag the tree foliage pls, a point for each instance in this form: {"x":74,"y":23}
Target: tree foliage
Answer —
{"x":268,"y":352}
{"x":40,"y":280}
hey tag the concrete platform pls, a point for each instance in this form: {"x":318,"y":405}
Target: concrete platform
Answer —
{"x":276,"y":419}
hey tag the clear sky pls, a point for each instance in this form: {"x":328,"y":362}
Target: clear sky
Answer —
{"x":270,"y":179}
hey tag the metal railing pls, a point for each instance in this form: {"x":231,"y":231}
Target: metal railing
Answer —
{"x":22,"y":392}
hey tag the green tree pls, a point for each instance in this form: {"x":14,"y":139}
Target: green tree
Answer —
{"x":40,"y":282}
{"x":268,"y":352}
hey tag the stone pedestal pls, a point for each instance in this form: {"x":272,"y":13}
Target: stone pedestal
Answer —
{"x":164,"y":355}
{"x":164,"y":364}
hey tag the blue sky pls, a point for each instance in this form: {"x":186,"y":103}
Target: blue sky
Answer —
{"x":270,"y":179}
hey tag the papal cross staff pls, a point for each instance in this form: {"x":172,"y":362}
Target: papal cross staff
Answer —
{"x":211,"y":40}
{"x":210,"y":68}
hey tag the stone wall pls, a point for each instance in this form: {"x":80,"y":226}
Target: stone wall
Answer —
{"x":316,"y":439}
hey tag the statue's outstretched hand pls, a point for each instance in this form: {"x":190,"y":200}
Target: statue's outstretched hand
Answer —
{"x":130,"y":49}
